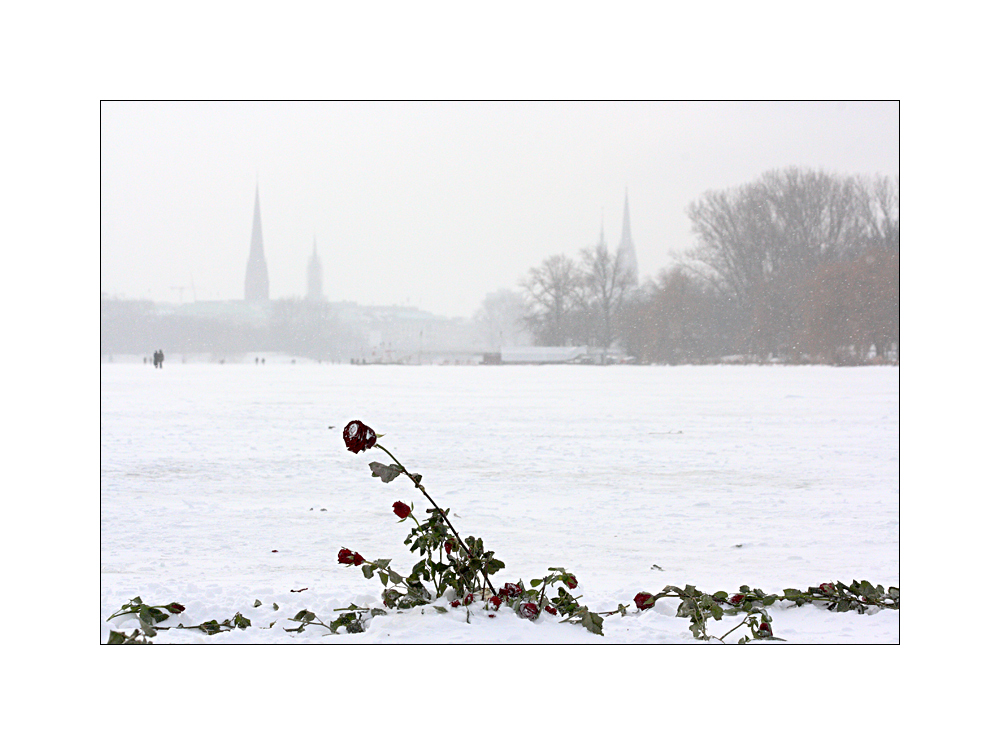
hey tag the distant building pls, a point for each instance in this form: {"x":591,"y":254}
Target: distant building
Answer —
{"x":627,"y":248}
{"x":541,"y":355}
{"x":255,"y":286}
{"x":314,"y":276}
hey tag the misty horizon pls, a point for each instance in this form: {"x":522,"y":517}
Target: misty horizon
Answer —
{"x":435,"y":205}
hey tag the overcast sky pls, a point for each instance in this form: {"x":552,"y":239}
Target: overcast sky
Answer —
{"x":434,"y":204}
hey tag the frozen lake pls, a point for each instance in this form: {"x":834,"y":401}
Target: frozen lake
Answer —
{"x":773,"y":477}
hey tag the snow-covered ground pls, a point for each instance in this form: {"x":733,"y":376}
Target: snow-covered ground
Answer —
{"x":222,"y":485}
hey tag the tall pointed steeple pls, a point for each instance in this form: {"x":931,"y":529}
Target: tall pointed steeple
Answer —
{"x":314,"y":276}
{"x":627,"y":248}
{"x":255,"y":286}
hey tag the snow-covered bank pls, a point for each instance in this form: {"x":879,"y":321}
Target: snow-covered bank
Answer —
{"x":222,"y":485}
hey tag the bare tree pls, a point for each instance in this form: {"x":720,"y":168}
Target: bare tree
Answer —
{"x":880,"y":212}
{"x":607,"y":280}
{"x":761,"y":242}
{"x":500,"y":319}
{"x":552,"y":293}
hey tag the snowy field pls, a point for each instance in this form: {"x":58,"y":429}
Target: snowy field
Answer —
{"x":222,"y":485}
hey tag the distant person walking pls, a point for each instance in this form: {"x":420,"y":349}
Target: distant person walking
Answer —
{"x":158,"y":358}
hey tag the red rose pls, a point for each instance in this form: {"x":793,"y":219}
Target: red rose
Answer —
{"x":571,"y":581}
{"x":827,"y":588}
{"x":550,"y":609}
{"x":346,"y":556}
{"x":358,"y":436}
{"x":644,"y":600}
{"x":402,"y":510}
{"x":736,"y":599}
{"x":455,"y":603}
{"x":765,"y":628}
{"x":447,"y":547}
{"x":496,"y":601}
{"x":175,"y":608}
{"x":510,"y":590}
{"x":528,"y":610}
{"x":468,"y":599}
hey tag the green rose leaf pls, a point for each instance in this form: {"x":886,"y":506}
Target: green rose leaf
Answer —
{"x":592,"y":622}
{"x":384,"y":472}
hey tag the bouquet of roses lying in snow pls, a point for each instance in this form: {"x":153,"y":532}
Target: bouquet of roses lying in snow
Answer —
{"x":452,"y":567}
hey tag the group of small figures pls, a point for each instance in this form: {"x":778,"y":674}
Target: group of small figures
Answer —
{"x":157,"y":358}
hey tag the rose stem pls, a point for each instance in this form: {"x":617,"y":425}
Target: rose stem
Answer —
{"x":422,"y":489}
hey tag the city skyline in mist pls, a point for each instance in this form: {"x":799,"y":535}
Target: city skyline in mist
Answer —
{"x":435,"y":204}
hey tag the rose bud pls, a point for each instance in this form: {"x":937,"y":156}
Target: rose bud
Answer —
{"x":358,"y":436}
{"x":736,"y":599}
{"x":358,"y":559}
{"x":550,"y":609}
{"x":346,"y":556}
{"x":402,"y":510}
{"x":468,"y":599}
{"x":765,"y":628}
{"x":175,"y":608}
{"x":455,"y":603}
{"x":571,"y":581}
{"x":827,"y":588}
{"x":644,"y":600}
{"x":528,"y":610}
{"x":496,"y":601}
{"x":447,"y":547}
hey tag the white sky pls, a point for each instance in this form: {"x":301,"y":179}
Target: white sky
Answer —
{"x":434,"y":204}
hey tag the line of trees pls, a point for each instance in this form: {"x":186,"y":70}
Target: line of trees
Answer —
{"x":799,"y":265}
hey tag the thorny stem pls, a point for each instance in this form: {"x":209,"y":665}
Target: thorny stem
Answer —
{"x":424,"y":491}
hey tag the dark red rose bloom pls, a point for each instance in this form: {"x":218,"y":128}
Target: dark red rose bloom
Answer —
{"x":175,"y":608}
{"x":644,"y":600}
{"x":496,"y":601}
{"x":510,"y":590}
{"x":736,"y":599}
{"x":571,"y":581}
{"x":765,"y":628}
{"x":468,"y":599}
{"x":401,"y":510}
{"x":447,"y":547}
{"x":550,"y":609}
{"x":528,"y":610}
{"x":358,"y":436}
{"x":346,"y":556}
{"x":827,"y":588}
{"x":455,"y":603}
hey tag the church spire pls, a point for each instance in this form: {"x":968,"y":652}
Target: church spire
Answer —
{"x":255,"y":286}
{"x":627,"y":248}
{"x":314,"y":276}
